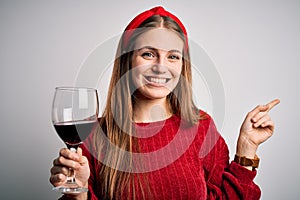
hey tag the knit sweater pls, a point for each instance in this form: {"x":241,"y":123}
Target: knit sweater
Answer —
{"x":181,"y":162}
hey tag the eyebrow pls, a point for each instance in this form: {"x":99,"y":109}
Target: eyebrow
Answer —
{"x":154,"y":49}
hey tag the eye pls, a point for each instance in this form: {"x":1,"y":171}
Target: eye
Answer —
{"x":174,"y":57}
{"x":148,"y":55}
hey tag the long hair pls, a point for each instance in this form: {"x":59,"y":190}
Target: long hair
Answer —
{"x":116,"y":173}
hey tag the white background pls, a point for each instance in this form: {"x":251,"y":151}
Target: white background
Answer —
{"x":254,"y":45}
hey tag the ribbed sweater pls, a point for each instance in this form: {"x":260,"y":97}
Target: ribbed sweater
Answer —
{"x":181,"y":162}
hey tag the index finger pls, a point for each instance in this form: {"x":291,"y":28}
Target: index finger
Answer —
{"x":272,"y":104}
{"x":68,"y":154}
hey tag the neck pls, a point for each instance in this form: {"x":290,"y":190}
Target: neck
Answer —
{"x":151,"y":110}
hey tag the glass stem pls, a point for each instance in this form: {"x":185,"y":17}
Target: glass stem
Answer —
{"x":71,"y":175}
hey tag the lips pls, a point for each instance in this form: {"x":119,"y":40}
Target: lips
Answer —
{"x":157,"y":80}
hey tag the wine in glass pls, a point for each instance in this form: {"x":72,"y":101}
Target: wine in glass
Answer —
{"x":74,"y":115}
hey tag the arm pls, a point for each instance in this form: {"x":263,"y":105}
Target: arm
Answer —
{"x":233,"y":181}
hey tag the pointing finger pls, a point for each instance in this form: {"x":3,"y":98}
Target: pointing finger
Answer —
{"x":261,"y":110}
{"x":272,"y":104}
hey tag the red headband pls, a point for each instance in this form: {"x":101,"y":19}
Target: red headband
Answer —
{"x":139,"y":19}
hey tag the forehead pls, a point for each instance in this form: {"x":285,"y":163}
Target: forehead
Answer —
{"x":160,"y":38}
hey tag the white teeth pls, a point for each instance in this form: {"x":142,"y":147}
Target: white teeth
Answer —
{"x":158,"y":80}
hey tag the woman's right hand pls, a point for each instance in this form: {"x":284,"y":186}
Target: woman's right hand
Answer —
{"x":68,"y":159}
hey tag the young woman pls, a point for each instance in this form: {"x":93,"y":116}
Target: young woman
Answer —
{"x":152,"y":141}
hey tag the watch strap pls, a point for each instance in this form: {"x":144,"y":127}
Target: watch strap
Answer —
{"x":242,"y":160}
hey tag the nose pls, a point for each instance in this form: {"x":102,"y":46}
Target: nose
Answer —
{"x":159,"y":66}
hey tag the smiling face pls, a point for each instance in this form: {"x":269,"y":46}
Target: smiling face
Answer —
{"x":157,"y":63}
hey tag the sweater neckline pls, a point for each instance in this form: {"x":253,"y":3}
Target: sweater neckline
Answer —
{"x":156,"y":123}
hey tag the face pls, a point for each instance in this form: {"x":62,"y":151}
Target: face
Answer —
{"x":157,"y":63}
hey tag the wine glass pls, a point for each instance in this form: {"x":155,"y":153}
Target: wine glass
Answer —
{"x":74,"y":115}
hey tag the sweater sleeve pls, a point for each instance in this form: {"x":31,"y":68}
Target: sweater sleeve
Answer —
{"x":226,"y":180}
{"x":86,"y":151}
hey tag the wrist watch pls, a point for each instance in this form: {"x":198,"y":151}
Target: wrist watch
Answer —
{"x":242,"y":160}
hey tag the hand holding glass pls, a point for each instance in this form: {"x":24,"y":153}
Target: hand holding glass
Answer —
{"x":74,"y":115}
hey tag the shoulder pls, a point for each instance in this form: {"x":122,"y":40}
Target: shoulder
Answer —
{"x":204,"y":114}
{"x":205,"y":120}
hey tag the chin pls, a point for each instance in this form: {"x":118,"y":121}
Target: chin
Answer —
{"x":157,"y":95}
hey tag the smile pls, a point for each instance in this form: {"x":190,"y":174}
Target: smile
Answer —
{"x":157,"y":79}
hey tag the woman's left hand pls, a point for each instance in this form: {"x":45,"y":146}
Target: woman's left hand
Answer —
{"x":256,"y":129}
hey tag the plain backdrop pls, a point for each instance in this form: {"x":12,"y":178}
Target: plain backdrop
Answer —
{"x":254,"y":46}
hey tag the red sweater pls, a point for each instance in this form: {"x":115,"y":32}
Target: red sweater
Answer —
{"x":183,"y":163}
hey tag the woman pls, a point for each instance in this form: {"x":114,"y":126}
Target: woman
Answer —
{"x":152,"y":141}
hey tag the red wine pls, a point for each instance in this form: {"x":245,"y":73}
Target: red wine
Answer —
{"x":73,"y":133}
